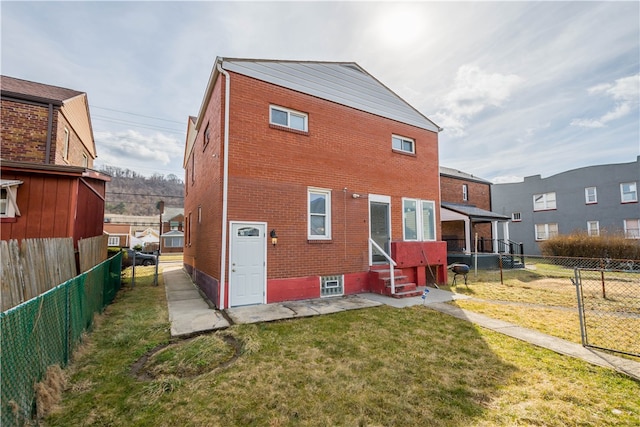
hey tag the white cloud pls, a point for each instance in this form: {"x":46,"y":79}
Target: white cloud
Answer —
{"x":474,"y":91}
{"x":131,"y":149}
{"x":507,"y":179}
{"x":625,"y":91}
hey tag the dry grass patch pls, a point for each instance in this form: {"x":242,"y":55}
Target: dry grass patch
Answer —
{"x":374,"y":367}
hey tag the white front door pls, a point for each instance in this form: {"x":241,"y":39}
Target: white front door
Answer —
{"x":247,"y":264}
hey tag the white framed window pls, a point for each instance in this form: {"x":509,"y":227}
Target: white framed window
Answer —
{"x":319,"y":214}
{"x":419,"y":220}
{"x":401,"y":143}
{"x":545,"y":201}
{"x":516,"y":217}
{"x":593,"y":228}
{"x":113,"y":241}
{"x":629,"y":192}
{"x":590,"y":195}
{"x":173,"y":242}
{"x":65,"y":145}
{"x":465,"y":192}
{"x":632,"y":228}
{"x":9,"y":198}
{"x":285,"y":117}
{"x":546,"y":231}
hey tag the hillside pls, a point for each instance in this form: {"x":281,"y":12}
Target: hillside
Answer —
{"x":129,"y":193}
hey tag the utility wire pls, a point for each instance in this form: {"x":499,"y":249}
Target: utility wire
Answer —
{"x":146,"y":126}
{"x":149,"y":195}
{"x":135,"y":114}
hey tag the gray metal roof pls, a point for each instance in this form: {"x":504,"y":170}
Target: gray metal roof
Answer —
{"x":473,"y":212}
{"x":345,"y":83}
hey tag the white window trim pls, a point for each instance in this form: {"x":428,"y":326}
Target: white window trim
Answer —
{"x":327,"y":214}
{"x":465,"y":192}
{"x":547,"y":234}
{"x":403,"y":138}
{"x":597,"y":228}
{"x":289,"y":112}
{"x":636,"y":231}
{"x":634,"y":186}
{"x":12,"y":210}
{"x":419,"y":220}
{"x":516,"y":216}
{"x":65,"y":145}
{"x":586,"y":196}
{"x":545,"y":202}
{"x":113,"y":241}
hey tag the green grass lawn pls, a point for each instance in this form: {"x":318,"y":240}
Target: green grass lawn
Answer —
{"x":378,"y":367}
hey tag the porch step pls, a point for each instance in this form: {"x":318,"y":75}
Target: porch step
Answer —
{"x":406,"y":294}
{"x":511,"y":262}
{"x":403,"y":287}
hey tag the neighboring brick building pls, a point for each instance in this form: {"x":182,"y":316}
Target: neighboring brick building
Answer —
{"x":466,"y":211}
{"x":45,"y":124}
{"x":172,"y":231}
{"x":48,"y":188}
{"x":295,"y":172}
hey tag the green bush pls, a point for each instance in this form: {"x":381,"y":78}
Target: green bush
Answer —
{"x":584,"y":246}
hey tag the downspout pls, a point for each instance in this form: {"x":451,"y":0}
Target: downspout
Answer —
{"x":47,"y":153}
{"x":225,"y":188}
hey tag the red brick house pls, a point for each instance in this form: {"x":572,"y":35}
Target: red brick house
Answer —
{"x":48,"y":187}
{"x":466,"y":213}
{"x":302,"y":179}
{"x":172,"y":232}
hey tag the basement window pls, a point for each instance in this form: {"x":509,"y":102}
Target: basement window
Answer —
{"x":331,"y":286}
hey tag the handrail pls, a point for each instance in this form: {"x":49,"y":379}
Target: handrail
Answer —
{"x":509,"y":247}
{"x":392,"y":264}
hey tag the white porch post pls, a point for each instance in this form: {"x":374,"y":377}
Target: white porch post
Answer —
{"x":467,"y":236}
{"x":505,"y":232}
{"x":494,"y":234}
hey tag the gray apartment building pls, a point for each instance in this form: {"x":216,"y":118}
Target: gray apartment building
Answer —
{"x":593,"y":199}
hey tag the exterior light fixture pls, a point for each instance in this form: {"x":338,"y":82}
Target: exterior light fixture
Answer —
{"x":274,"y":237}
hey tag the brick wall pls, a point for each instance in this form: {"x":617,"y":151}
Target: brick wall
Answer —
{"x":23,"y":131}
{"x":203,"y":193}
{"x":479,"y":193}
{"x":76,"y":147}
{"x":270,"y":170}
{"x":24,"y":135}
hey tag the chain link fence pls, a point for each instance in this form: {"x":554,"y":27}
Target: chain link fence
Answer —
{"x":608,"y":293}
{"x":609,"y":308}
{"x":44,"y":331}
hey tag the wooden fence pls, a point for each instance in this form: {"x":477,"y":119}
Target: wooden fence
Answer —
{"x":37,"y":265}
{"x":92,"y":251}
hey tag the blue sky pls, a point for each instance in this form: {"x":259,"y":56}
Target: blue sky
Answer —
{"x":520,"y":88}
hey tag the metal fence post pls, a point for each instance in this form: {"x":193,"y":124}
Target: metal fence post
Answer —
{"x":578,"y":284}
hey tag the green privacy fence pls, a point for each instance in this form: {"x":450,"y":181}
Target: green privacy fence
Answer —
{"x":44,"y":331}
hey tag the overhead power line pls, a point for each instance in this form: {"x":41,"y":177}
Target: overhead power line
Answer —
{"x":136,"y":114}
{"x":149,"y":195}
{"x":142,"y":125}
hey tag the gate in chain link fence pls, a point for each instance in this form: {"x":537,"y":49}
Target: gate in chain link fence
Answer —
{"x":609,"y":308}
{"x":44,"y":331}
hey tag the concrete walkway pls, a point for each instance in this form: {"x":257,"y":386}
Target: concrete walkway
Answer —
{"x":189,"y":315}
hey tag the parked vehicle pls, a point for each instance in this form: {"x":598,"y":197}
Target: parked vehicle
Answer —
{"x":141,"y":258}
